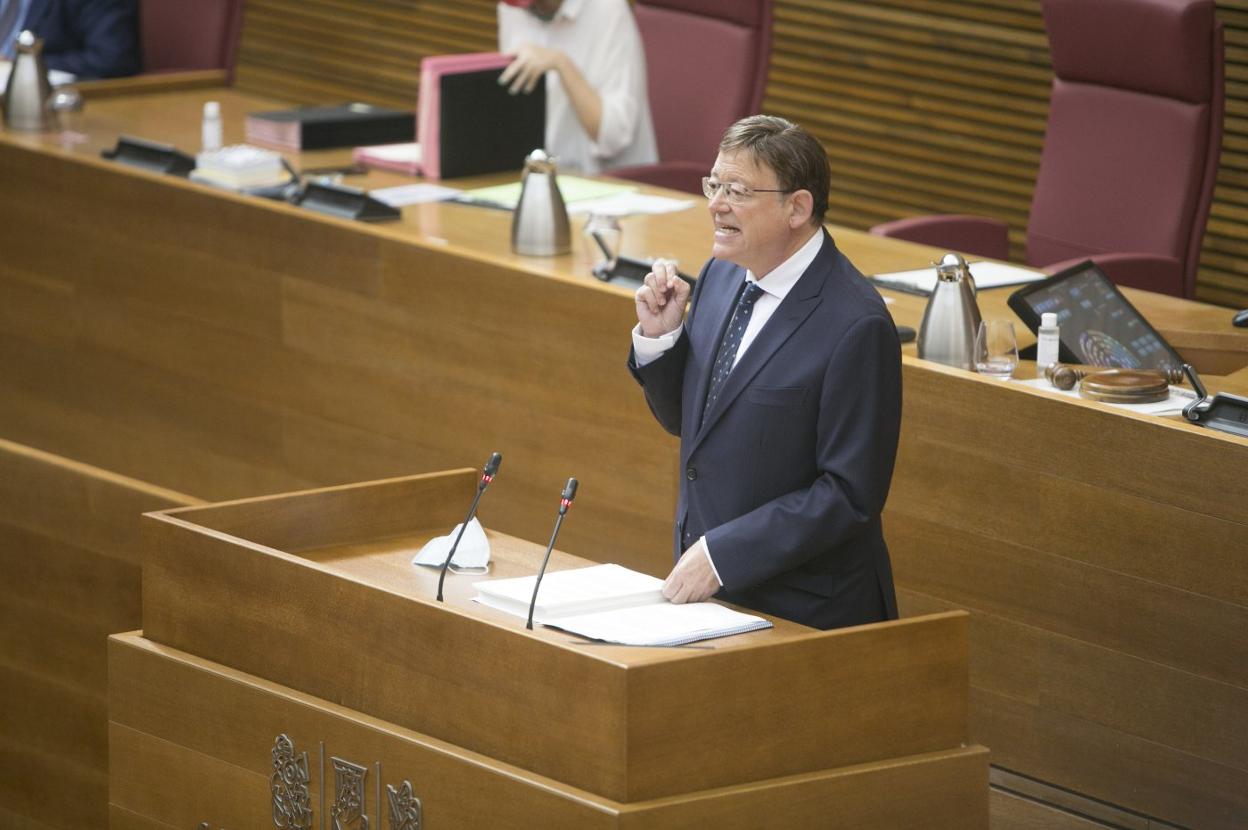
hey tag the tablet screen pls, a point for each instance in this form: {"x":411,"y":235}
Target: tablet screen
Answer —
{"x":1098,"y":325}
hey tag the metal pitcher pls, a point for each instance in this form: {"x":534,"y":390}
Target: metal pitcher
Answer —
{"x":951,"y":320}
{"x":30,"y":104}
{"x":539,"y":226}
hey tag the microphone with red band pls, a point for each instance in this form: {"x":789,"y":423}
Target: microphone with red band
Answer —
{"x":565,"y":501}
{"x":487,"y":475}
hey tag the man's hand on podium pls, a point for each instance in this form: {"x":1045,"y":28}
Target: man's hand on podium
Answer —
{"x":693,"y":579}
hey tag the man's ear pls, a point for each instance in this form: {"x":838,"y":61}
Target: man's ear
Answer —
{"x":802,"y":205}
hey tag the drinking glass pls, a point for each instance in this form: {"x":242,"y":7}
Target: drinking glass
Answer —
{"x":603,"y":232}
{"x":996,"y":350}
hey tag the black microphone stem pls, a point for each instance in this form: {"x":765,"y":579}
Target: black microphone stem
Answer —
{"x":565,"y":501}
{"x":542,"y":571}
{"x":451,"y":553}
{"x":487,"y":475}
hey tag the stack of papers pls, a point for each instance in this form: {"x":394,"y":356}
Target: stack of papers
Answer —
{"x":616,"y":605}
{"x":986,"y":274}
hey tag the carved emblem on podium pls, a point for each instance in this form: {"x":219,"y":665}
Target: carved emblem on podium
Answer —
{"x":292,"y":809}
{"x":347,"y":811}
{"x":404,"y":807}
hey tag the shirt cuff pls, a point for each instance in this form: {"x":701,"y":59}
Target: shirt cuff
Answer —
{"x":706,"y":549}
{"x":650,"y":349}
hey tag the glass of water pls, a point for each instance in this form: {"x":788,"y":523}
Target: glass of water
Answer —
{"x":996,"y":350}
{"x":603,"y":232}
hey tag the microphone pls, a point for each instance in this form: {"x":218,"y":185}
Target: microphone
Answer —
{"x":487,"y":475}
{"x":565,"y":501}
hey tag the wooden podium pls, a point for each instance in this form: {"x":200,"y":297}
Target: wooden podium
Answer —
{"x":295,"y":671}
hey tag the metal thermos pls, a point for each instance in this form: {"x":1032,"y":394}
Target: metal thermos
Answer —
{"x":29,"y":103}
{"x":539,"y":226}
{"x":28,"y":95}
{"x":951,"y":321}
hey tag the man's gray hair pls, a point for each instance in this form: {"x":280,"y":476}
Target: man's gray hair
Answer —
{"x":795,"y":156}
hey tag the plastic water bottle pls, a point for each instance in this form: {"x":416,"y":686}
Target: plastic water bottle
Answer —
{"x":1047,"y":339}
{"x":210,"y":133}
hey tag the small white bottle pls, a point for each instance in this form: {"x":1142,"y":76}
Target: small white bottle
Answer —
{"x":210,"y":134}
{"x":1046,"y":342}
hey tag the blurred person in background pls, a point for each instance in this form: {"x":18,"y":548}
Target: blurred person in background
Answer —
{"x":597,"y":106}
{"x":88,"y":38}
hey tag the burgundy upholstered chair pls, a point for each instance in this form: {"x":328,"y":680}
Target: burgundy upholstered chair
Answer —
{"x":706,"y":63}
{"x":190,"y":34}
{"x":1131,"y":153}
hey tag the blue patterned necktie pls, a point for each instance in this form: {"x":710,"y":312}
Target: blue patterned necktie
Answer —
{"x":727,"y":353}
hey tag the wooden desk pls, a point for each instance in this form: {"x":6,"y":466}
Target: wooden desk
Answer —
{"x":224,"y":347}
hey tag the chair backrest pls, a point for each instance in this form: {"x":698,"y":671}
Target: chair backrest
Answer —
{"x":190,"y":34}
{"x":706,"y":62}
{"x":1134,"y":132}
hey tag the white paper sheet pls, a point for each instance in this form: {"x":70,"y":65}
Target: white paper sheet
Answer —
{"x":661,"y":624}
{"x":629,"y":204}
{"x":413,"y":194}
{"x":986,"y":274}
{"x":576,"y":591}
{"x":616,"y":605}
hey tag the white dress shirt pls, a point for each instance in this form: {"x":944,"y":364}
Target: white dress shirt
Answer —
{"x":776,"y":286}
{"x":601,"y":38}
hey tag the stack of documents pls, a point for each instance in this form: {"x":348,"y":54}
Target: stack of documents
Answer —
{"x":616,"y":605}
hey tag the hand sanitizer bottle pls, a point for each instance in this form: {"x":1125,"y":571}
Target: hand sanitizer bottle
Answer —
{"x":1046,"y":342}
{"x":210,"y":134}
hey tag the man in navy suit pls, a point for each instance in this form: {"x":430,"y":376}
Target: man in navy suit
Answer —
{"x":784,"y":385}
{"x":90,"y":38}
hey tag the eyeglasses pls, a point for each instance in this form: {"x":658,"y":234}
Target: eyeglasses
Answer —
{"x":736,"y":194}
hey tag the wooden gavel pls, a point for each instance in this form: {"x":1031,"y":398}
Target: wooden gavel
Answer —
{"x":1067,"y":375}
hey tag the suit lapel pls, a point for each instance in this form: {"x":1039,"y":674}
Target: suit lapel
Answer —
{"x":787,"y":318}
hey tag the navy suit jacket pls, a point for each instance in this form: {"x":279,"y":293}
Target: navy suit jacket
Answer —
{"x":788,"y":472}
{"x":90,"y":38}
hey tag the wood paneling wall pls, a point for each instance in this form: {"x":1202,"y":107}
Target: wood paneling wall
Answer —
{"x":924,"y":106}
{"x":68,"y":552}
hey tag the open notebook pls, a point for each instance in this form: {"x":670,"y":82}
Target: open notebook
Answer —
{"x":615,"y":605}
